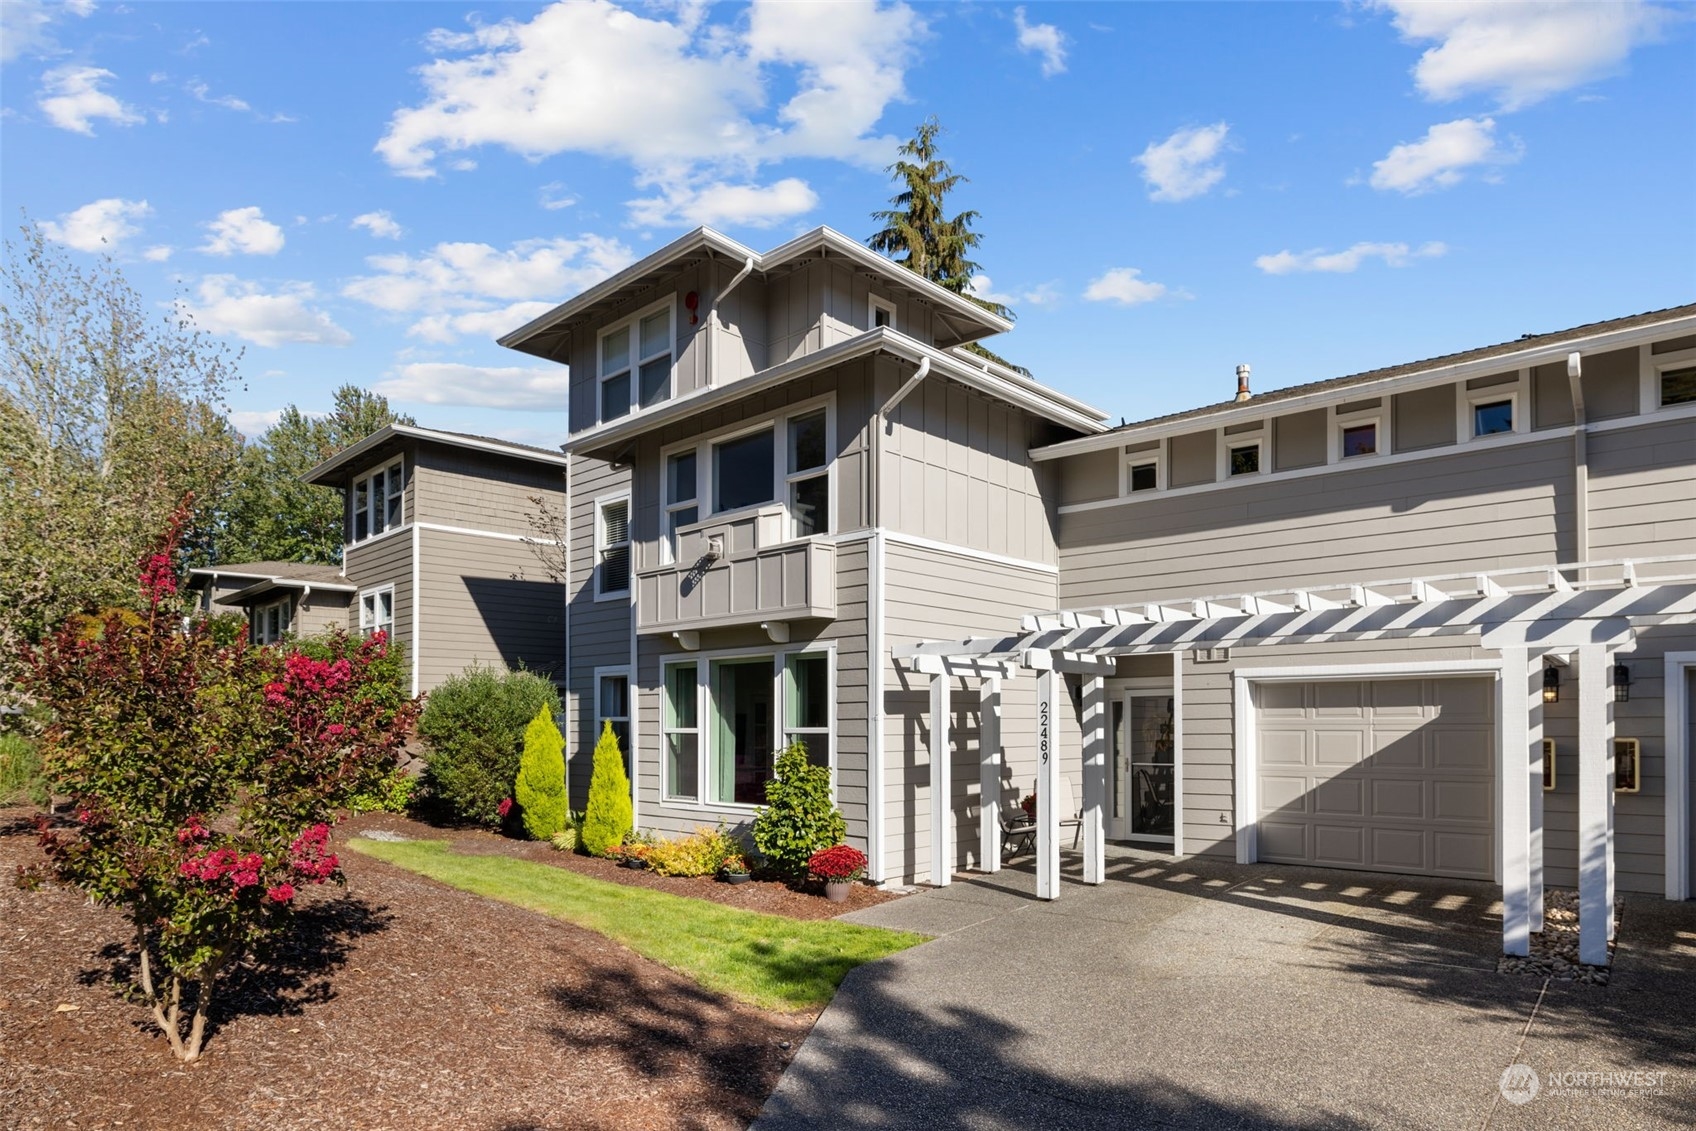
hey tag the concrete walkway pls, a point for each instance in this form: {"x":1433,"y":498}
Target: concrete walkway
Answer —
{"x":1198,"y":995}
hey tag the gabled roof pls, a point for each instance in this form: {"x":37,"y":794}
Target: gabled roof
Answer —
{"x":307,"y":572}
{"x":389,"y":432}
{"x":1523,"y":352}
{"x":541,"y":336}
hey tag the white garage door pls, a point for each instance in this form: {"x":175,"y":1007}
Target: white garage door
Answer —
{"x":1384,"y":775}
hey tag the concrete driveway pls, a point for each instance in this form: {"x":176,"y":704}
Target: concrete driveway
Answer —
{"x":1199,"y":995}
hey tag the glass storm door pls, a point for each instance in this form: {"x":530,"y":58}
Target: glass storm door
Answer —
{"x":1144,"y":744}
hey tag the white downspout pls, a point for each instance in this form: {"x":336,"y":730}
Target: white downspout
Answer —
{"x":711,"y":320}
{"x":1580,"y":463}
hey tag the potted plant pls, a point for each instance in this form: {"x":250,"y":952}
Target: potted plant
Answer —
{"x":1029,"y":806}
{"x":734,"y":870}
{"x":838,"y":867}
{"x":633,"y":853}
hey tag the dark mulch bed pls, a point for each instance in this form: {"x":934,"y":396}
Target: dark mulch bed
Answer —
{"x":401,"y":1003}
{"x":755,"y":895}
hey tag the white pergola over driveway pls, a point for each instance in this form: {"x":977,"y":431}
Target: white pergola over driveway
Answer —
{"x":1571,"y":615}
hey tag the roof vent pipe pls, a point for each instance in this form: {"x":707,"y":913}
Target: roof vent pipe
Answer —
{"x":1242,"y":383}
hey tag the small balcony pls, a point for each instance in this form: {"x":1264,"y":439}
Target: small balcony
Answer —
{"x":738,"y":570}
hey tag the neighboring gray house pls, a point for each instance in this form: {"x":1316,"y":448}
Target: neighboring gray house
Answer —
{"x":1311,"y":626}
{"x":278,"y":598}
{"x":437,"y":548}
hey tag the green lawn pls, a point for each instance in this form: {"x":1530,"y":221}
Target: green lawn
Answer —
{"x":766,"y":960}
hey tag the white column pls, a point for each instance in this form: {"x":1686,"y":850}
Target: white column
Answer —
{"x":1595,"y":798}
{"x":1516,"y":805}
{"x":989,"y":775}
{"x":1049,"y":686}
{"x":1534,"y":736}
{"x":1095,"y":779}
{"x":941,"y":785}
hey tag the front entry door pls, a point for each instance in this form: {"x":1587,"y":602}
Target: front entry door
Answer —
{"x":1144,"y":769}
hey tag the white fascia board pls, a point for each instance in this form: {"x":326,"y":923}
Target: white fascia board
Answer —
{"x":883,"y":340}
{"x":1258,"y":409}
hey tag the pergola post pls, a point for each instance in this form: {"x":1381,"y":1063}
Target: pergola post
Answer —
{"x":1516,"y":804}
{"x":1048,"y":687}
{"x":1095,"y":779}
{"x":941,"y":784}
{"x":1595,"y":804}
{"x":989,"y":775}
{"x":1534,"y":738}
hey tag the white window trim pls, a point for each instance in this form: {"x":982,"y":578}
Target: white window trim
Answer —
{"x":631,"y":326}
{"x":373,"y":506}
{"x":705,"y":485}
{"x":1651,"y":366}
{"x":369,"y":625}
{"x":698,"y":730}
{"x":1467,"y":400}
{"x":790,"y":478}
{"x":669,"y":505}
{"x":875,"y":303}
{"x":1130,"y":460}
{"x":601,"y":546}
{"x":1341,"y":420}
{"x":1252,"y":438}
{"x":257,"y":620}
{"x":617,"y":671}
{"x":784,"y":659}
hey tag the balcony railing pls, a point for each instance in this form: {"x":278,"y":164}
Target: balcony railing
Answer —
{"x":738,"y":571}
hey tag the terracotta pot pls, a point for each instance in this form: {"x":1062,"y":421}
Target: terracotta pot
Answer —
{"x":837,"y":890}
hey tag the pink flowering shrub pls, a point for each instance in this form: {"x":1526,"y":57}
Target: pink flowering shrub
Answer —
{"x":206,"y":777}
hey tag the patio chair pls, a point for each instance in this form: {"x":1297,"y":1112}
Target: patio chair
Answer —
{"x":1018,"y":830}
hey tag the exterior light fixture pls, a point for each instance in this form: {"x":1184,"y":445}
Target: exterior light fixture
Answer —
{"x":1622,"y":683}
{"x":1551,"y":684}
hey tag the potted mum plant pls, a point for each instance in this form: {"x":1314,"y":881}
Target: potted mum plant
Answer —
{"x":735,"y":870}
{"x":838,"y":866}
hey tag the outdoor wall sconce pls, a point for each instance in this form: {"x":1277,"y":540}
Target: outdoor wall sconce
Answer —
{"x":1551,"y":684}
{"x":1627,"y":756}
{"x":1622,"y":683}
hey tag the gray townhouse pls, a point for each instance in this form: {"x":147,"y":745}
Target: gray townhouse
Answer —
{"x":439,"y":551}
{"x":1436,"y":619}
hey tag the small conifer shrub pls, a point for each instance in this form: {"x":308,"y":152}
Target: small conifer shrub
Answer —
{"x":540,"y":789}
{"x":608,"y":819}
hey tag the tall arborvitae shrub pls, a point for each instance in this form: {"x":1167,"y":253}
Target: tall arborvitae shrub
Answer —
{"x":608,"y":819}
{"x":540,"y":788}
{"x":799,"y":818}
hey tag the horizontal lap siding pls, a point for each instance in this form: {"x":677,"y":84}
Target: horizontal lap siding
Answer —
{"x":930,"y":594}
{"x":468,"y":489}
{"x":319,"y":611}
{"x":1643,"y":490}
{"x":482,"y":603}
{"x":384,"y":562}
{"x":600,"y":630}
{"x":847,"y":632}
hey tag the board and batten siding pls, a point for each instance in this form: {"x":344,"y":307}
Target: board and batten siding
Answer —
{"x":384,"y":560}
{"x":689,"y":370}
{"x":826,"y":301}
{"x":484,"y":601}
{"x":928,"y":595}
{"x":600,"y":630}
{"x":847,"y":633}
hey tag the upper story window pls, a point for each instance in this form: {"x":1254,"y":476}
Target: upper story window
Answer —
{"x":881,"y":313}
{"x":682,"y":502}
{"x":270,"y":623}
{"x":809,"y":475}
{"x":635,"y":363}
{"x":1492,"y":416}
{"x":1244,"y":459}
{"x":744,"y":471}
{"x":612,"y":548}
{"x":1144,"y":475}
{"x":785,"y":461}
{"x":1142,"y":468}
{"x":378,"y":501}
{"x":1678,"y":386}
{"x":1358,"y":439}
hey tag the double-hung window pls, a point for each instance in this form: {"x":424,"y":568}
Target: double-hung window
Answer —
{"x":270,"y":623}
{"x":377,"y":611}
{"x":612,"y":548}
{"x":682,"y":505}
{"x":806,"y":703}
{"x":378,"y":501}
{"x":809,"y":475}
{"x":635,"y":363}
{"x":612,"y":707}
{"x":681,"y":732}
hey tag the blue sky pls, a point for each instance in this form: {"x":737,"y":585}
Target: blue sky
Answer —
{"x":372,"y":192}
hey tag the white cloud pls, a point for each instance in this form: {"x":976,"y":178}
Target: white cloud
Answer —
{"x":449,"y":383}
{"x":224,"y":304}
{"x":379,"y":224}
{"x":158,"y":253}
{"x":756,"y":206}
{"x":98,"y":226}
{"x":203,"y":93}
{"x":243,"y":231}
{"x":254,"y":423}
{"x":1184,"y":165}
{"x":1044,"y":294}
{"x":1042,"y":39}
{"x":553,"y":196}
{"x":1345,"y":261}
{"x":26,"y":26}
{"x":1125,"y":286}
{"x":684,"y":101}
{"x":1521,"y":52}
{"x":1442,"y":157}
{"x":71,"y":98}
{"x":469,"y":288}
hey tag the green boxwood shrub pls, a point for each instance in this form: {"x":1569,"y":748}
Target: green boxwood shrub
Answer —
{"x":608,"y":819}
{"x":799,"y":818}
{"x":473,"y":726}
{"x":540,"y":789}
